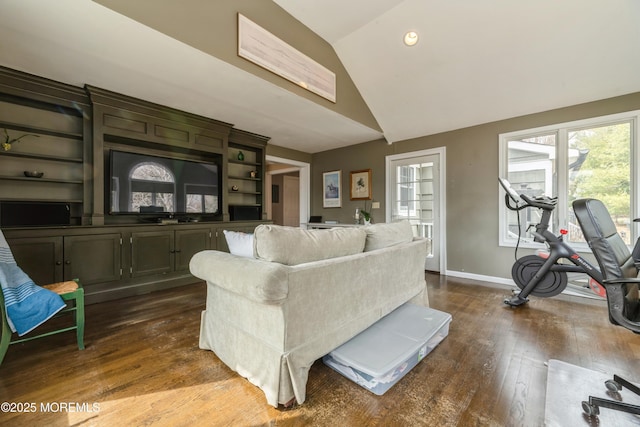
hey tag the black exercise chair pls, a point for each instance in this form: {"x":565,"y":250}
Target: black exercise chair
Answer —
{"x":620,"y":272}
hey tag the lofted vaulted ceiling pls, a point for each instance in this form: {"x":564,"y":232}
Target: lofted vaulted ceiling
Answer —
{"x":475,"y":62}
{"x":478,"y":61}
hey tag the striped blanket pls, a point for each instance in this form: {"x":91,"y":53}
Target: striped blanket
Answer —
{"x":27,"y":305}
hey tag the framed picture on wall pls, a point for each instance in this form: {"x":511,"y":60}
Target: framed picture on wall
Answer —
{"x":332,"y":191}
{"x":360,"y":185}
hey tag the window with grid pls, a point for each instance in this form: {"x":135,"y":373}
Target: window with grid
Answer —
{"x":595,"y":158}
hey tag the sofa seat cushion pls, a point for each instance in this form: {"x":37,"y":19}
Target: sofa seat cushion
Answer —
{"x":387,"y":234}
{"x":293,"y":246}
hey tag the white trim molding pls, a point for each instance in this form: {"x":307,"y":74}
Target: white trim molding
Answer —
{"x":441,"y":152}
{"x":304,"y":170}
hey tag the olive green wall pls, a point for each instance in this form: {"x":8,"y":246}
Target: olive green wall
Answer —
{"x":212,"y":27}
{"x":370,"y":155}
{"x":472,"y":189}
{"x":287,"y":153}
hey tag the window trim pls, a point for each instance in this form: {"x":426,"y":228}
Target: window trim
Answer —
{"x":562,"y":130}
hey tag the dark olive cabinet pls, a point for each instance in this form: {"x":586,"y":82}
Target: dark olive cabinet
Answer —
{"x":92,"y":258}
{"x":40,"y":257}
{"x":151,"y":252}
{"x":117,"y":261}
{"x":166,"y":251}
{"x":189,"y":243}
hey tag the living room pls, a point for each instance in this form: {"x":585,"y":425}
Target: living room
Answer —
{"x":472,"y":252}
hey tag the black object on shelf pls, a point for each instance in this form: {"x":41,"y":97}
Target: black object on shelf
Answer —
{"x":17,"y":214}
{"x":244,"y":213}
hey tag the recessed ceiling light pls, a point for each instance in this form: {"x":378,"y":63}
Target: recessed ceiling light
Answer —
{"x":411,"y":38}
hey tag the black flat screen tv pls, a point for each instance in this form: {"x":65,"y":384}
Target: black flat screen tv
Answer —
{"x":162,"y":186}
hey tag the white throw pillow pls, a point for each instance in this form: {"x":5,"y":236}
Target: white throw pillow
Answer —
{"x":240,"y":244}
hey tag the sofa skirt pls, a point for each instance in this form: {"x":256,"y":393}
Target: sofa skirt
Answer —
{"x":280,"y":373}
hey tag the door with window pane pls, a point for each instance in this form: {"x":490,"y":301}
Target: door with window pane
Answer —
{"x":414,"y":187}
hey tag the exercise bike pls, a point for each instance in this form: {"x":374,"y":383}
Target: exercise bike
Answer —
{"x":542,"y":275}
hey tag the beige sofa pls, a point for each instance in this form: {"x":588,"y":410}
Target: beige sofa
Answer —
{"x":303,"y":294}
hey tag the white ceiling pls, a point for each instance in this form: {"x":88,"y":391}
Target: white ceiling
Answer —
{"x":476,"y":62}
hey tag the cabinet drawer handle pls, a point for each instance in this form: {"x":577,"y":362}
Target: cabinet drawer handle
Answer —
{"x":58,"y":263}
{"x":67,"y":262}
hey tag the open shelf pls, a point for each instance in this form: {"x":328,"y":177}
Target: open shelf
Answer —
{"x":41,"y":131}
{"x":43,"y":157}
{"x":39,"y":199}
{"x":245,"y":178}
{"x":55,"y":180}
{"x":244,"y":162}
{"x":253,"y":193}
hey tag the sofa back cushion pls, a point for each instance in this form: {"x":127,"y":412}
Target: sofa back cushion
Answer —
{"x":292,"y":246}
{"x":387,"y":234}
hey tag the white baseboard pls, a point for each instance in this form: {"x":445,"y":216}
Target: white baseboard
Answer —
{"x":490,"y":279}
{"x":503,"y":283}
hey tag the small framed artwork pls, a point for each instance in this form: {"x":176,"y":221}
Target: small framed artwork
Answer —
{"x":331,"y":193}
{"x":360,"y":188}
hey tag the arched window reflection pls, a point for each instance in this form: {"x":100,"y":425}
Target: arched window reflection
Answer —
{"x":152,"y":185}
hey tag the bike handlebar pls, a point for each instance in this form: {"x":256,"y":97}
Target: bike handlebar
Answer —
{"x":541,"y":202}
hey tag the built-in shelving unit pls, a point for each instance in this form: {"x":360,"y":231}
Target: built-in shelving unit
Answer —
{"x":73,"y":131}
{"x":52,"y":121}
{"x":245,"y":175}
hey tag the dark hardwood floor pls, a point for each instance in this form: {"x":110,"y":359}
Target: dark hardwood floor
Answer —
{"x":142,"y":366}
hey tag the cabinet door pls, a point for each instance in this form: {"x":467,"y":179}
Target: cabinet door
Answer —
{"x":188,"y":243}
{"x":151,"y":252}
{"x":39,"y":257}
{"x":94,"y":258}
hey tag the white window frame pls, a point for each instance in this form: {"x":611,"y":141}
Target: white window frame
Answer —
{"x":562,"y":131}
